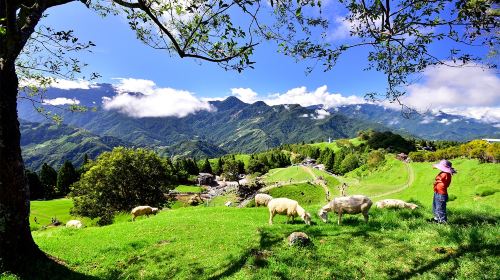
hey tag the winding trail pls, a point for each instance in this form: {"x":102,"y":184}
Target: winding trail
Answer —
{"x":341,"y":179}
{"x":411,"y":179}
{"x":317,"y":180}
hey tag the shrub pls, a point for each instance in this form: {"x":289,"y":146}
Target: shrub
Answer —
{"x":418,"y":156}
{"x":120,"y":180}
{"x":375,"y":158}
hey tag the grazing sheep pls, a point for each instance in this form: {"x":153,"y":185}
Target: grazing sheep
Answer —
{"x":354,"y":204}
{"x":262,"y":199}
{"x":74,"y":224}
{"x":143,"y":210}
{"x":288,"y":207}
{"x":395,"y":203}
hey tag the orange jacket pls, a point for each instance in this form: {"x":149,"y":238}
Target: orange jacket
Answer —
{"x":442,"y":182}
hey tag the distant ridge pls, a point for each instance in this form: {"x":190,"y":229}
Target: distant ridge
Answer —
{"x":234,"y":126}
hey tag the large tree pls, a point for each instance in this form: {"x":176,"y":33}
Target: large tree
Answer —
{"x":219,"y":31}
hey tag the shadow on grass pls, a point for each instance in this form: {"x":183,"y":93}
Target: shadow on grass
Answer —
{"x":267,"y":239}
{"x":472,"y":244}
{"x":48,"y":267}
{"x":470,"y":218}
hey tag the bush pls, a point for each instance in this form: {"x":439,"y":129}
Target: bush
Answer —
{"x":375,"y":158}
{"x":120,"y":180}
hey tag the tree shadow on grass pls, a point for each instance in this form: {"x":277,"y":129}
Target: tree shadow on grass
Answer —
{"x":473,"y":243}
{"x":267,"y":239}
{"x":470,"y":218}
{"x":48,"y":267}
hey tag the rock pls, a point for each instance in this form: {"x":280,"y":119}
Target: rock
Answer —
{"x":298,"y":239}
{"x":228,"y":203}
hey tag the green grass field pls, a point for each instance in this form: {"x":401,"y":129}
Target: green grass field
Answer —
{"x":333,"y":145}
{"x":237,"y":243}
{"x":44,"y":211}
{"x":232,"y":243}
{"x":186,"y":188}
{"x":295,"y":173}
{"x":305,"y":194}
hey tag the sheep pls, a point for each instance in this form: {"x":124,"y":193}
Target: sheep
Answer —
{"x":354,"y":204}
{"x":74,"y":224}
{"x":395,"y":203}
{"x":288,"y":207}
{"x":143,"y":210}
{"x":262,"y":199}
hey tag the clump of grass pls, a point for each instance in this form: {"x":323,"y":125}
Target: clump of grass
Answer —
{"x":485,"y":191}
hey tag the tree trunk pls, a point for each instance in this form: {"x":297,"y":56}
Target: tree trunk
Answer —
{"x":16,"y":243}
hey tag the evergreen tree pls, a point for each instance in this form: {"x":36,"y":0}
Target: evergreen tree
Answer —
{"x":206,"y":167}
{"x":36,"y":190}
{"x":66,"y":176}
{"x":220,"y":166}
{"x":48,"y":179}
{"x":230,"y":170}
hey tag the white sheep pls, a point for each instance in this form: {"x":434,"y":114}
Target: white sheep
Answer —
{"x":353,"y":204}
{"x":288,"y":207}
{"x":74,"y":224}
{"x":143,"y":210}
{"x":262,"y":199}
{"x":395,"y":203}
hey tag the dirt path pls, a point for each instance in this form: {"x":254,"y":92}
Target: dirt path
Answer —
{"x":316,"y":180}
{"x":411,"y":179}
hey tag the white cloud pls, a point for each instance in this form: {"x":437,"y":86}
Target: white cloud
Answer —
{"x":321,"y":114}
{"x":135,"y":85}
{"x":468,"y":91}
{"x":341,"y":30}
{"x":154,"y":101}
{"x":305,"y":98}
{"x":246,"y":95}
{"x":61,"y":101}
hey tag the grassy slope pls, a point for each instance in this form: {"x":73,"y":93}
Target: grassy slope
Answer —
{"x":470,"y":177}
{"x":333,"y":146}
{"x":305,"y":194}
{"x":44,"y":211}
{"x":186,"y":188}
{"x":217,"y":242}
{"x":390,"y":176}
{"x":296,"y":173}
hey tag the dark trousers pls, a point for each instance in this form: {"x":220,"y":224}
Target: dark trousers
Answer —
{"x":439,"y":207}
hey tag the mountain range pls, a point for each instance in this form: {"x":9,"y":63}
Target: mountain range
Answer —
{"x":231,"y":127}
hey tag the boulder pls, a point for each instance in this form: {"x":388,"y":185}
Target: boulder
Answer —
{"x":298,"y":239}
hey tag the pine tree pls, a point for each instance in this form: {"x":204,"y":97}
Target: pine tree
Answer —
{"x":48,"y":179}
{"x":66,"y":176}
{"x":36,"y":190}
{"x":206,"y":167}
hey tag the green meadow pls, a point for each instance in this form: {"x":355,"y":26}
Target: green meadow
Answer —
{"x":219,"y":242}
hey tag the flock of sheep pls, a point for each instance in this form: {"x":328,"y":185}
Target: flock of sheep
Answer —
{"x":354,"y":204}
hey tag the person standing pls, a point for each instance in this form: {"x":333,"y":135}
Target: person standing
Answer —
{"x":441,"y":185}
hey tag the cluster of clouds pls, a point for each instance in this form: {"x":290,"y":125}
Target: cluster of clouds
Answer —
{"x":150,"y":100}
{"x":471,"y":92}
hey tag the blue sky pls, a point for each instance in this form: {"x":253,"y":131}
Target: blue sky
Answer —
{"x":119,"y":54}
{"x":123,"y":60}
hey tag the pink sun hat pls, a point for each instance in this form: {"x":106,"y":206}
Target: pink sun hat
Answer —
{"x":445,"y":166}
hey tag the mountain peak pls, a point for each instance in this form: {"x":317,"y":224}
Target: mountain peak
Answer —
{"x":232,"y":102}
{"x":259,"y":104}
